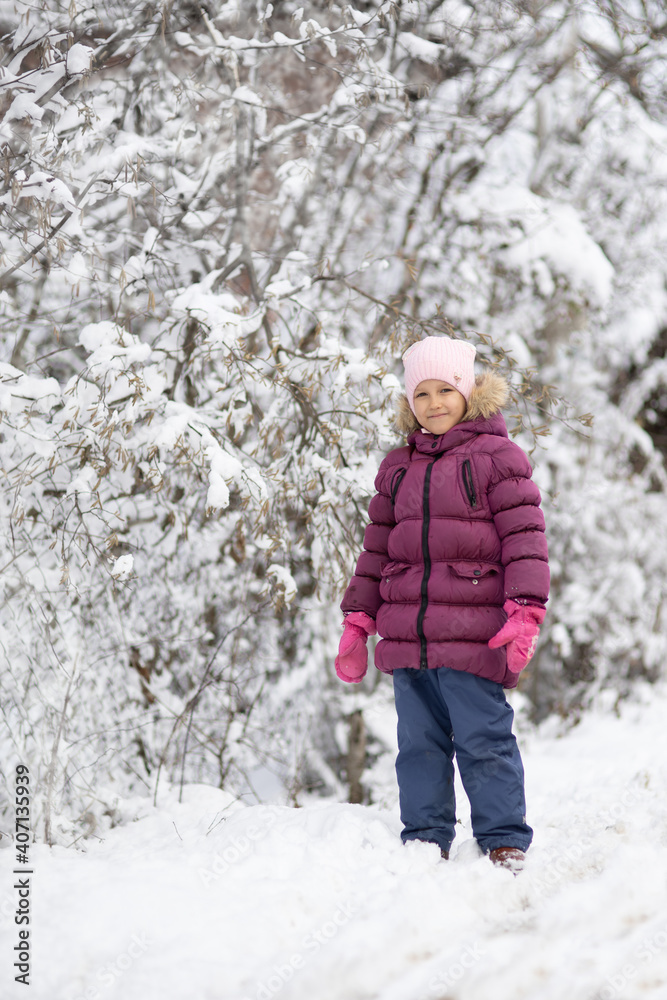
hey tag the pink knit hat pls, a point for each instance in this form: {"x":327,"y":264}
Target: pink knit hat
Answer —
{"x":448,"y":360}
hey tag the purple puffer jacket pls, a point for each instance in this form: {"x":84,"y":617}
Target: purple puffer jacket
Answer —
{"x":456,"y":529}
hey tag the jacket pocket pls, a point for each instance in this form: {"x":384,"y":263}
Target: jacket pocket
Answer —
{"x":474,"y":571}
{"x":395,"y":484}
{"x":391,"y":580}
{"x":468,"y":483}
{"x":393,"y":568}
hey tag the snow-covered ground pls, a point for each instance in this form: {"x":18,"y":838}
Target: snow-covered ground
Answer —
{"x":216,"y":900}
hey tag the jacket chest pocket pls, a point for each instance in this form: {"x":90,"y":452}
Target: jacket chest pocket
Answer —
{"x":468,"y":484}
{"x":395,"y":484}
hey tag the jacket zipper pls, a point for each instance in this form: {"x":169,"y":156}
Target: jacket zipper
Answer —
{"x":396,"y":482}
{"x":426,"y":510}
{"x":468,"y":483}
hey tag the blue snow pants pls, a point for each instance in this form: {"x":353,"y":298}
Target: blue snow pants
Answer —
{"x":443,"y":712}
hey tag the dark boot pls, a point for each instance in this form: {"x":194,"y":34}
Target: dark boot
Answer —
{"x":443,"y":853}
{"x":508,"y":857}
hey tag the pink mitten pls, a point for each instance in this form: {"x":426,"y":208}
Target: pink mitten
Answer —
{"x":352,"y":659}
{"x":520,"y":632}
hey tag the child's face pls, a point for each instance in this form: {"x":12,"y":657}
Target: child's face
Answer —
{"x":438,"y":405}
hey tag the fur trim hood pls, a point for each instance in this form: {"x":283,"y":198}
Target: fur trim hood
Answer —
{"x":489,"y":395}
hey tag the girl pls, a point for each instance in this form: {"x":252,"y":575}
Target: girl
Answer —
{"x":454,"y":573}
